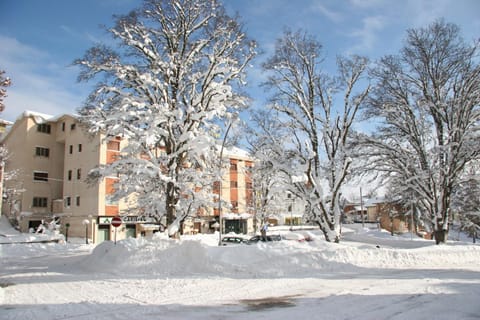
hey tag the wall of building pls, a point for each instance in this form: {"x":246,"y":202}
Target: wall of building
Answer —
{"x":84,"y":209}
{"x":22,"y":142}
{"x":81,"y":154}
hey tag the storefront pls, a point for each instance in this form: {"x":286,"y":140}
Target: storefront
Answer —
{"x":132,"y":227}
{"x":237,"y":223}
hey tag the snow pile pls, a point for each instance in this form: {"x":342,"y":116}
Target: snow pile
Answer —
{"x":159,"y":256}
{"x":16,"y":239}
{"x":166,"y":257}
{"x":367,"y":276}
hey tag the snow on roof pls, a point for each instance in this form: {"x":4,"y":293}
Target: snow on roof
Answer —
{"x":231,"y":215}
{"x":35,"y":114}
{"x":237,"y":151}
{"x":374,"y":201}
{"x":234,"y":152}
{"x":40,"y":117}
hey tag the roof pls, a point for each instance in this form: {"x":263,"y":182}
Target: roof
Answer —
{"x":5,"y":122}
{"x":235,"y":152}
{"x":40,"y":117}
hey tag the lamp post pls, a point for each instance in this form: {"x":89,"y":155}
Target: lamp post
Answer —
{"x":361,"y":208}
{"x":67,"y":225}
{"x":220,"y":228}
{"x":85,"y":223}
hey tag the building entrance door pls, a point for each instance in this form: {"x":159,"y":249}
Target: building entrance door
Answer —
{"x":131,"y":231}
{"x":103,"y":233}
{"x":236,"y":226}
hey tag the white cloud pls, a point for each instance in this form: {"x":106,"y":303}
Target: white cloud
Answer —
{"x":332,"y":15}
{"x":37,"y":83}
{"x":367,"y":3}
{"x":368,"y":34}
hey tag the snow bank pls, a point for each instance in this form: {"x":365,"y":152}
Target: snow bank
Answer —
{"x":179,"y":258}
{"x":158,"y":256}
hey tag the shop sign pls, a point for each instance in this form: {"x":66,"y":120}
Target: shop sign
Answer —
{"x":125,"y":219}
{"x":134,"y":219}
{"x":105,"y":220}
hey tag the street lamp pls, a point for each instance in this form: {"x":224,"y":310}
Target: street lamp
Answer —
{"x":86,"y":223}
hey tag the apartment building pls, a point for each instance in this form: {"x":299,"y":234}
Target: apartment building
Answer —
{"x":52,"y":157}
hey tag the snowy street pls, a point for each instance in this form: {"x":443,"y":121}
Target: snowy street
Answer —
{"x":194,"y":279}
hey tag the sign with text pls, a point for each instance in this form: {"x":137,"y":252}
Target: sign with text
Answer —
{"x":125,"y":219}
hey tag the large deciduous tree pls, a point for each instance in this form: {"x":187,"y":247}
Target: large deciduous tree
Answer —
{"x":305,"y":97}
{"x":426,"y":101}
{"x":466,"y":202}
{"x":166,"y":88}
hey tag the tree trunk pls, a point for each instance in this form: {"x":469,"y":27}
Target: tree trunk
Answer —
{"x":440,"y":236}
{"x":170,"y":203}
{"x":329,"y":234}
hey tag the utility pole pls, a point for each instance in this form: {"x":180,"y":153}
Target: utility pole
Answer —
{"x":411,"y":221}
{"x":220,"y":228}
{"x":361,"y":208}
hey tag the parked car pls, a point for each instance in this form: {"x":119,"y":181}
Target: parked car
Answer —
{"x":293,"y":236}
{"x":229,"y":240}
{"x":273,"y":237}
{"x":309,"y":236}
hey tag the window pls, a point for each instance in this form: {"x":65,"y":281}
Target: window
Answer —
{"x":290,"y":208}
{"x":44,"y":128}
{"x":42,"y":152}
{"x":71,"y":149}
{"x":77,"y":200}
{"x":216,"y":187}
{"x":233,"y":184}
{"x":79,"y":147}
{"x":68,"y":202}
{"x":73,"y":126}
{"x":40,"y":176}
{"x":233,"y":166}
{"x":63,"y":126}
{"x":248,"y":185}
{"x":111,"y":201}
{"x":113,"y":145}
{"x":40,"y":202}
{"x":79,"y":174}
{"x":69,"y":175}
{"x":234,"y":205}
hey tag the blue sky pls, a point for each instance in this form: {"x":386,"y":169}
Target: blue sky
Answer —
{"x":40,"y":39}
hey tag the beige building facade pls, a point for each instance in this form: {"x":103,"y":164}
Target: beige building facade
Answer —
{"x":237,"y":199}
{"x":51,"y":158}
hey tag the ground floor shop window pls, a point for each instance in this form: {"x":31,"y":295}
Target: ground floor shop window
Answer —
{"x":131,"y":231}
{"x":236,"y":226}
{"x":103,"y":233}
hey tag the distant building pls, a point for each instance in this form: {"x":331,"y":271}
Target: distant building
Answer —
{"x":389,"y":216}
{"x":286,"y":210}
{"x":52,"y":157}
{"x":237,"y":199}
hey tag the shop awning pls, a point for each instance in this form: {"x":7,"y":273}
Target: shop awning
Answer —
{"x":149,"y":227}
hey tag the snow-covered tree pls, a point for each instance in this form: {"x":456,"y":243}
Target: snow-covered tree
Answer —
{"x":466,"y":203}
{"x":319,"y":129}
{"x":271,"y":174}
{"x":426,"y":101}
{"x":166,"y":89}
{"x":4,"y":83}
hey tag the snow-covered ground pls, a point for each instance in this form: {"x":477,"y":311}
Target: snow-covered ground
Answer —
{"x":370,"y":275}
